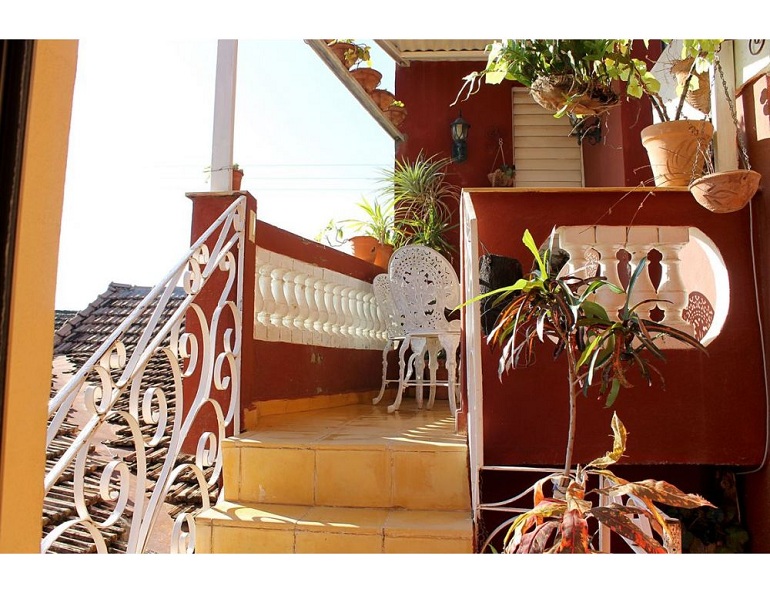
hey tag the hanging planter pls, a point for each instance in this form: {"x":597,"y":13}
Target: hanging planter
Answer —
{"x":564,"y":92}
{"x":383,"y":98}
{"x":676,"y":150}
{"x":368,"y":78}
{"x":726,"y":191}
{"x":504,"y":175}
{"x":396,"y":113}
{"x":699,"y":98}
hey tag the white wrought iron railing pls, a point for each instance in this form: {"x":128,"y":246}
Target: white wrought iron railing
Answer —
{"x":115,"y":388}
{"x":301,"y":303}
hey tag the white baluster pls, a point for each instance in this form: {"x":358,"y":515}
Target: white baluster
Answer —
{"x":313,"y":311}
{"x":291,"y":306}
{"x":268,"y":307}
{"x":641,"y":240}
{"x":331,"y":314}
{"x":281,"y":309}
{"x":609,"y":241}
{"x":302,"y":308}
{"x":672,"y":241}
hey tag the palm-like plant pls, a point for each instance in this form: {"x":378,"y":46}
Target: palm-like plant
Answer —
{"x":378,"y":222}
{"x":423,"y":200}
{"x":548,"y":307}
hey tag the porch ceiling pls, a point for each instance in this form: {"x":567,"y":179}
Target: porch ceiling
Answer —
{"x":404,"y":51}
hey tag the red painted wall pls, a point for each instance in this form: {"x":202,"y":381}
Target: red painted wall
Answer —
{"x":207,"y":207}
{"x":619,"y":159}
{"x":713,"y":408}
{"x":753,"y":111}
{"x":281,"y":370}
{"x":428,"y":89}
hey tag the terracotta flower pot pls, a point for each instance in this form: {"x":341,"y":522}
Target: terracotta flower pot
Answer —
{"x":383,"y":98}
{"x":368,"y":78}
{"x":396,"y":114}
{"x":340,"y":49}
{"x":382,"y":255}
{"x":726,"y":191}
{"x":364,"y":247}
{"x":676,"y":150}
{"x":237,"y":177}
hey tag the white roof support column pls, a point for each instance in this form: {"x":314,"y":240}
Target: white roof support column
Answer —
{"x":224,"y":116}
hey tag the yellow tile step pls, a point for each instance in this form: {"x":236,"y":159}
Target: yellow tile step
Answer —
{"x":298,"y":529}
{"x":351,"y":456}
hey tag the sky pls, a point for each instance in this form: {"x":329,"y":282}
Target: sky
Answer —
{"x":141,"y":136}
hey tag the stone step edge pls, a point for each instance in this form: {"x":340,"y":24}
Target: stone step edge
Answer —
{"x":343,"y":520}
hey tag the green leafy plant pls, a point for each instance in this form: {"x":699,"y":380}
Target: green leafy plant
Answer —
{"x":548,"y":308}
{"x":423,"y":200}
{"x":378,"y":222}
{"x":357,"y":54}
{"x":592,"y":65}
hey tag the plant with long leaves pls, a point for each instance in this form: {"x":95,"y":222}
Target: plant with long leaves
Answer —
{"x":546,"y":307}
{"x":424,"y":200}
{"x":561,"y":524}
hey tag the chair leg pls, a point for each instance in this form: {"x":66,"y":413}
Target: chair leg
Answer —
{"x":451,"y":345}
{"x":401,"y":378}
{"x":418,"y":361}
{"x":433,"y":351}
{"x":377,"y":399}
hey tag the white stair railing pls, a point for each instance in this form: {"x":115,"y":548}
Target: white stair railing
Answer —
{"x":113,"y":388}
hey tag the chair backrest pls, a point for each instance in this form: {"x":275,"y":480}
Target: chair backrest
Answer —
{"x":424,"y":286}
{"x":382,"y":295}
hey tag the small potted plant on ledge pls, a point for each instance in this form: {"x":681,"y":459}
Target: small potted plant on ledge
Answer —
{"x":547,"y":308}
{"x":375,"y":235}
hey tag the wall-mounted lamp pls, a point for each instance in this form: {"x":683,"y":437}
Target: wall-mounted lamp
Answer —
{"x":586,"y":128}
{"x":459,"y":128}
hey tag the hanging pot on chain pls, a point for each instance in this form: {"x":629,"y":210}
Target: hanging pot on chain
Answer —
{"x":726,"y":191}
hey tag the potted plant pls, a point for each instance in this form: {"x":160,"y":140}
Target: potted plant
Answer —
{"x":423,"y":200}
{"x":375,"y":235}
{"x":237,"y":173}
{"x":601,"y":352}
{"x":578,"y":76}
{"x":396,"y":112}
{"x":563,"y":75}
{"x":349,"y":52}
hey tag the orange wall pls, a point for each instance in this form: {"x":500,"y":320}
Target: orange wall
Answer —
{"x":30,"y":343}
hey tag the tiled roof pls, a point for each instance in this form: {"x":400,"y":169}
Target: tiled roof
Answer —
{"x":75,"y":341}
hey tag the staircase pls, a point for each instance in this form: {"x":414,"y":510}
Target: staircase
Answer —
{"x":347,"y":479}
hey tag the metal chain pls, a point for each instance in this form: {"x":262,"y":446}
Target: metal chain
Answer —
{"x":744,"y":152}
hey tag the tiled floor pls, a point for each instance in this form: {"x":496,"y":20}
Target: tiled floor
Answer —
{"x":364,"y":424}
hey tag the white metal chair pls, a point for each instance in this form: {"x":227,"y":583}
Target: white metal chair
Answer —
{"x":424,"y":286}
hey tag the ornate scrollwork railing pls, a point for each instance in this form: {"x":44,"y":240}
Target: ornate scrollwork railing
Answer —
{"x":120,"y":390}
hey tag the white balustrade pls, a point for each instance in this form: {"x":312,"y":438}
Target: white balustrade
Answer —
{"x":301,"y":303}
{"x":618,"y":247}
